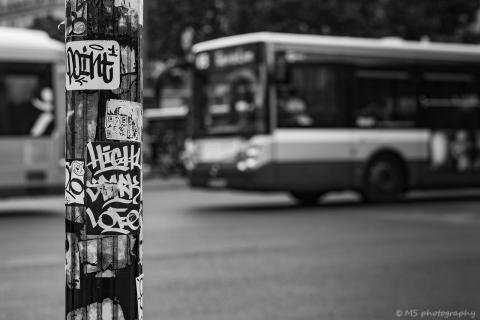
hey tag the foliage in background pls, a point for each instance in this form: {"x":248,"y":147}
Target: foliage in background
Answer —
{"x":439,"y":20}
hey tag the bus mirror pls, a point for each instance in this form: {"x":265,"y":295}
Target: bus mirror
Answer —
{"x":281,"y":67}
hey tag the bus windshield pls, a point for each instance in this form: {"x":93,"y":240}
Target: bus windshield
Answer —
{"x":229,"y":95}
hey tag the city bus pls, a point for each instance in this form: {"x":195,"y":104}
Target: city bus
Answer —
{"x":32,"y":106}
{"x":308,"y":114}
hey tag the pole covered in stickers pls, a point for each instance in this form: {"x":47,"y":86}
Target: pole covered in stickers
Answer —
{"x":103,"y":167}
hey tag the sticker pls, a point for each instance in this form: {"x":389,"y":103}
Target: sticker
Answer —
{"x":107,"y":309}
{"x":455,"y":150}
{"x":123,"y":120}
{"x":106,"y":255}
{"x":72,"y":261}
{"x":74,"y":182}
{"x":114,"y":191}
{"x":93,"y":65}
{"x":76,"y":22}
{"x":128,"y":73}
{"x":139,"y":283}
{"x":134,"y":8}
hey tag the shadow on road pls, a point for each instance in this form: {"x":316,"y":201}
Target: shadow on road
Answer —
{"x":339,"y":205}
{"x":29,"y":213}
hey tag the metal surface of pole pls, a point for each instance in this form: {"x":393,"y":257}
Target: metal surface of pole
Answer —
{"x":103,"y":188}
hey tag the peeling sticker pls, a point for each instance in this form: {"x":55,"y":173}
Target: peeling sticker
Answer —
{"x":106,"y":309}
{"x":128,"y":72}
{"x":76,"y":22}
{"x":93,"y":65}
{"x":74,"y":182}
{"x":101,"y":259}
{"x":114,"y":191}
{"x":139,"y":285}
{"x":134,"y":10}
{"x":72,"y":261}
{"x":123,"y":120}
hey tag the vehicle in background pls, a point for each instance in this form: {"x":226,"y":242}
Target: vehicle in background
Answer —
{"x":308,"y":114}
{"x":165,"y":137}
{"x":32,"y":107}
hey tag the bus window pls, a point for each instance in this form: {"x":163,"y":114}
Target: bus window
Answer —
{"x":450,"y":100}
{"x":26,"y":100}
{"x":452,"y":111}
{"x":234,"y":101}
{"x":310,"y":98}
{"x":385,"y":99}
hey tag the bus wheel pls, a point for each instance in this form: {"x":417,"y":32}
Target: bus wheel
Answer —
{"x":384,"y":180}
{"x":306,"y":198}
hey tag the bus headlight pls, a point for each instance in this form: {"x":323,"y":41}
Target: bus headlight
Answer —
{"x":190,"y":155}
{"x":249,"y":158}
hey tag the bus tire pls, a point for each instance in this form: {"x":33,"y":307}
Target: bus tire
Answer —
{"x":306,"y":198}
{"x":384,"y":179}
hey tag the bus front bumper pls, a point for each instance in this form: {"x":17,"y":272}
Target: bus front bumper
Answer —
{"x":226,"y":175}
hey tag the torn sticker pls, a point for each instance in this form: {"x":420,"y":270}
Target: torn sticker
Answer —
{"x":74,"y":182}
{"x":123,"y":120}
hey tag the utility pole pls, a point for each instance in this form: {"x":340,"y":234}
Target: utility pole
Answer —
{"x":103,"y":188}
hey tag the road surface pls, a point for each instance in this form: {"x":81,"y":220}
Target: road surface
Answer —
{"x":237,"y":256}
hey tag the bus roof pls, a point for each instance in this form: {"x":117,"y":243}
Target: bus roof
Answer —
{"x":389,"y":47}
{"x":29,"y":45}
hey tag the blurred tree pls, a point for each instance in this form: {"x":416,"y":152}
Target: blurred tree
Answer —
{"x":439,"y":20}
{"x":50,"y":25}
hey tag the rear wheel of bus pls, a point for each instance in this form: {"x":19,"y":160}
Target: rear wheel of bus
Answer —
{"x":384,"y":179}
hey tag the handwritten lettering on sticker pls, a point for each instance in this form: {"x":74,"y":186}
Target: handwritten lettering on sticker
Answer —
{"x":93,"y":65}
{"x":123,"y":120}
{"x":74,"y":182}
{"x":114,"y":191}
{"x":139,"y":285}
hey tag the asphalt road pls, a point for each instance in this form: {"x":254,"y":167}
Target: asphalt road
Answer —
{"x":230,"y":256}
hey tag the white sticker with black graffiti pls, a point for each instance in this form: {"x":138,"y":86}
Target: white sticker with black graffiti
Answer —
{"x":114,"y":188}
{"x":93,"y":65}
{"x":123,"y":120}
{"x":74,"y":182}
{"x":139,"y":283}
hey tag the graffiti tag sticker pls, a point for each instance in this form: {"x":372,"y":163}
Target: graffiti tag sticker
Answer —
{"x":114,"y":191}
{"x":139,"y":285}
{"x":123,"y":120}
{"x":93,"y":65}
{"x":74,"y":182}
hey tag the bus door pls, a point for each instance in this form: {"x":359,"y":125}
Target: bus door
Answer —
{"x":27,"y":120}
{"x":312,"y":137}
{"x":451,"y":105}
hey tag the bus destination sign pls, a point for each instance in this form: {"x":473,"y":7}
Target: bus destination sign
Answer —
{"x":227,"y":58}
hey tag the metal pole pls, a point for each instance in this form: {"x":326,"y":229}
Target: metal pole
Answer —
{"x":103,"y":189}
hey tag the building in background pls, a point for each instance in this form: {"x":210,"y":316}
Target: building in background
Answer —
{"x":23,"y":13}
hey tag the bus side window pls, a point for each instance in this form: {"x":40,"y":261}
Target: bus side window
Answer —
{"x":452,"y":111}
{"x":385,"y":99}
{"x":450,"y":100}
{"x":26,"y":100}
{"x":310,"y":98}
